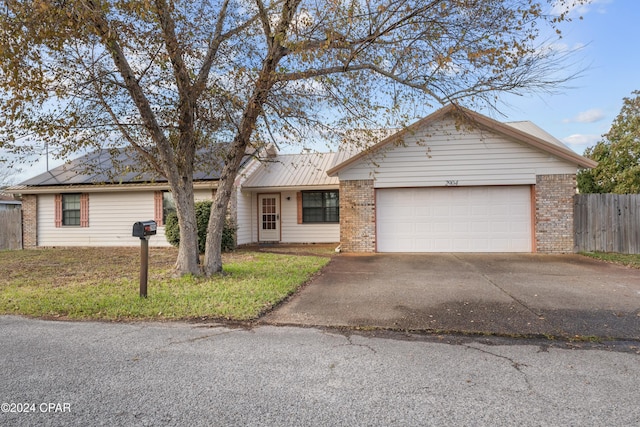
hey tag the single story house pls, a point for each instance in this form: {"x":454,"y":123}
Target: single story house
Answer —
{"x":455,"y":181}
{"x":95,"y":200}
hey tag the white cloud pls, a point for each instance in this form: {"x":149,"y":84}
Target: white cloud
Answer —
{"x":564,"y":48}
{"x":581,"y":139}
{"x":589,"y":116}
{"x":578,"y":8}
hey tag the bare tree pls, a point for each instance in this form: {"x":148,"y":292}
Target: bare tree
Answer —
{"x":173,"y":77}
{"x":8,"y":175}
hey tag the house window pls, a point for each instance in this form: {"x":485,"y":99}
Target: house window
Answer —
{"x":320,"y":206}
{"x":168,"y":205}
{"x":164,"y":206}
{"x":71,"y":209}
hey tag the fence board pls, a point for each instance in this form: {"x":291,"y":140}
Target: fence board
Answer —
{"x":607,"y":223}
{"x":11,"y":229}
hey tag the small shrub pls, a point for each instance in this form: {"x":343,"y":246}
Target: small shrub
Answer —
{"x":172,"y":230}
{"x":203,"y":210}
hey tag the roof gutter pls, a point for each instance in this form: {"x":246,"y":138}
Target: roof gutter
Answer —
{"x":103,"y":188}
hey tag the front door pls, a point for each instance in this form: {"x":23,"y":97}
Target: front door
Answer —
{"x":269,"y":217}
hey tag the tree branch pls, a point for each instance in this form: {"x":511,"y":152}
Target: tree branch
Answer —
{"x":212,"y":51}
{"x":111,"y":41}
{"x":302,"y":75}
{"x":264,"y":20}
{"x":174,"y":50}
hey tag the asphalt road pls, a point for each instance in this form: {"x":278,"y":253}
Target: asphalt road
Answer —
{"x":153,"y":374}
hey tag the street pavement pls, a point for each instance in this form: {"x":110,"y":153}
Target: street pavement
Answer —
{"x":174,"y":374}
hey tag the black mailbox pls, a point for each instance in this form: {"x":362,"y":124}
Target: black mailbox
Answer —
{"x":142,"y":229}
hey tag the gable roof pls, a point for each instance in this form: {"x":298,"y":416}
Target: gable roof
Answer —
{"x":295,"y":170}
{"x":525,"y":132}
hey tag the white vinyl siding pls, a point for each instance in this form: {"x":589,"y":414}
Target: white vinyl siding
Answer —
{"x":245,"y":219}
{"x":246,"y":215}
{"x":111,"y":218}
{"x":203,"y":195}
{"x":463,"y":219}
{"x":441,"y":155}
{"x":292,"y":232}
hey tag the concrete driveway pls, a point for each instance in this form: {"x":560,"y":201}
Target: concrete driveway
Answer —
{"x":510,"y":294}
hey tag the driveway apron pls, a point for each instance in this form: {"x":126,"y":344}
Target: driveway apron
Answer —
{"x":506,"y":294}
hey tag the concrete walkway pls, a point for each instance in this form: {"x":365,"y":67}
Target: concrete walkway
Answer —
{"x":506,"y":294}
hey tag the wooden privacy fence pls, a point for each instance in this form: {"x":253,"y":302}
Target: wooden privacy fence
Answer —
{"x":11,"y":229}
{"x":607,"y":223}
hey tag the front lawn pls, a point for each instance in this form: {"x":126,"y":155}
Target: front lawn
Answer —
{"x":103,"y":283}
{"x":629,"y":260}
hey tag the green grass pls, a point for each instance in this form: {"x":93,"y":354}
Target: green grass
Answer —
{"x":102,"y":283}
{"x":629,"y":260}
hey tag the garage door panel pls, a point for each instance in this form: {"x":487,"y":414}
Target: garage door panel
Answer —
{"x":480,"y":227}
{"x":480,"y":210}
{"x":459,"y":219}
{"x":403,"y":228}
{"x":460,"y":227}
{"x":423,"y":227}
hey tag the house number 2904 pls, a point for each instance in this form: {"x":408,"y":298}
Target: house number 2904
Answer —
{"x":452,"y":182}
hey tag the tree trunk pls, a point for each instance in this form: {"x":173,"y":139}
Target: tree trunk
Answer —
{"x":213,"y":252}
{"x":253,"y":109}
{"x":187,"y":261}
{"x":213,"y":248}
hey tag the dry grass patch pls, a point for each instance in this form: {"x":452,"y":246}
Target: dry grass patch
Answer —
{"x":629,"y":260}
{"x":102,"y":283}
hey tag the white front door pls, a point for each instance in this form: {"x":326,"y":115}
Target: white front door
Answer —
{"x":269,"y":217}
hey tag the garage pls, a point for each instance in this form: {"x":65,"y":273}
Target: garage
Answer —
{"x":458,"y":181}
{"x":454,"y":219}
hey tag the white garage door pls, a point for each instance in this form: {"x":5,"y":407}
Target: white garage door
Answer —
{"x":454,"y":219}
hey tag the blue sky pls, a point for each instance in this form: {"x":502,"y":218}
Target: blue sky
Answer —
{"x":608,"y":44}
{"x":608,"y":38}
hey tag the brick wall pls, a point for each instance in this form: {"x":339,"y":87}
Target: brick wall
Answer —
{"x":29,"y":221}
{"x":554,"y":213}
{"x":357,"y":216}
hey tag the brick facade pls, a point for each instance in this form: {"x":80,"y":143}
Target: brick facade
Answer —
{"x":554,"y":213}
{"x":29,"y":221}
{"x":357,"y":216}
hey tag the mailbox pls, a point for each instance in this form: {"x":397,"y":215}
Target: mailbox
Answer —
{"x":142,"y":229}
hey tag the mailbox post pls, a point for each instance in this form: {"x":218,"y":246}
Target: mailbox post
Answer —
{"x":144,"y":230}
